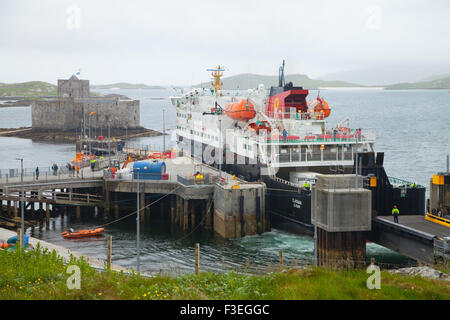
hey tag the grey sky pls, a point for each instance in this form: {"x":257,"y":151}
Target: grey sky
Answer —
{"x":173,"y":42}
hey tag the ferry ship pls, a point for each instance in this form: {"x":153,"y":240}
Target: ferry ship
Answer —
{"x":277,"y":136}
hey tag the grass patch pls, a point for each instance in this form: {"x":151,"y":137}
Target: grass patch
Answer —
{"x":41,"y":274}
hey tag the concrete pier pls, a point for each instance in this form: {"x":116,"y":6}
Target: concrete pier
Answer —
{"x":342,"y":211}
{"x":237,"y":210}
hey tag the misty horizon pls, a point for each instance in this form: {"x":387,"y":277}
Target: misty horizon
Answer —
{"x":365,"y":42}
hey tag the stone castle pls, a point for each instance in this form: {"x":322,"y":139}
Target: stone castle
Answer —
{"x":73,"y":106}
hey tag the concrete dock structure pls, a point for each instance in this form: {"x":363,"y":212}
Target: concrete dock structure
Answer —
{"x":182,"y":199}
{"x":343,"y":214}
{"x":226,"y":205}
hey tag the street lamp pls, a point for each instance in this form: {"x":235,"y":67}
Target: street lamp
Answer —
{"x":90,"y":149}
{"x":164,"y":131}
{"x":109,"y":143}
{"x":22,"y":222}
{"x":220,"y":150}
{"x":138,"y":222}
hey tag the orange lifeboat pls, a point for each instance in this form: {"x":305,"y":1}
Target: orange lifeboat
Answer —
{"x":82,"y":233}
{"x":319,"y":105}
{"x":243,"y":110}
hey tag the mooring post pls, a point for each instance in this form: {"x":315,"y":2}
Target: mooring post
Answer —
{"x":19,"y":237}
{"x":280,"y":256}
{"x":197,"y":257}
{"x":108,"y":257}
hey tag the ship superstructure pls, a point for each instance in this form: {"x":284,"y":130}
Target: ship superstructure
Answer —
{"x":266,"y":132}
{"x":274,"y":135}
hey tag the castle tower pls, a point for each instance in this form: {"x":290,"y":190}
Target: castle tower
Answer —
{"x":73,"y":88}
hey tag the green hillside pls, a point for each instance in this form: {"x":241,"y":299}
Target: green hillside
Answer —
{"x":27,"y":89}
{"x":443,"y":83}
{"x":125,"y":85}
{"x":248,"y":80}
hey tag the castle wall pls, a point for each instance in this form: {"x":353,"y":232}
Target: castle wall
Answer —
{"x":68,"y":114}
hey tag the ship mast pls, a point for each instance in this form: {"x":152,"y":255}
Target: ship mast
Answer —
{"x":217,"y":83}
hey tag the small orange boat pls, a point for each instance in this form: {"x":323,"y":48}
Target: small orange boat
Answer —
{"x":70,"y":234}
{"x":243,"y":110}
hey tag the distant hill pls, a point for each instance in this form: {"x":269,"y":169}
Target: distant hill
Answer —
{"x":435,"y":77}
{"x":125,"y":85}
{"x":443,"y":83}
{"x":249,"y":80}
{"x":27,"y":89}
{"x":385,"y":75}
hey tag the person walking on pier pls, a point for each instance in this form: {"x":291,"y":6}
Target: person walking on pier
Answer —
{"x":55,"y":169}
{"x":395,"y":212}
{"x":37,"y":173}
{"x":77,"y":169}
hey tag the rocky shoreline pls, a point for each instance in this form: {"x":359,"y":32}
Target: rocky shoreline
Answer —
{"x":72,"y":135}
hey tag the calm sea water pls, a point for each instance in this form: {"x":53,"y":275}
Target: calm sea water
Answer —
{"x":413,"y":129}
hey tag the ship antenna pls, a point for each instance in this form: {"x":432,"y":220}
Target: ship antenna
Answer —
{"x":281,"y":81}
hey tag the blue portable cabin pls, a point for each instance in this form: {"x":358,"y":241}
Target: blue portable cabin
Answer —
{"x":149,"y":170}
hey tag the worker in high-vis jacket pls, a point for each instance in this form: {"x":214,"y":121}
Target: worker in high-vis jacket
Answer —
{"x":395,"y":213}
{"x":306,"y":185}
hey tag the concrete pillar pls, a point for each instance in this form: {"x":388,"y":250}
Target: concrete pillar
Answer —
{"x":341,"y":249}
{"x":16,"y":209}
{"x":47,"y":217}
{"x":193,"y":216}
{"x":116,"y":206}
{"x":178,"y":211}
{"x":162,"y":208}
{"x":145,"y":213}
{"x":186,"y":215}
{"x":9,"y":208}
{"x":172,"y":210}
{"x":78,"y":212}
{"x":107,"y":204}
{"x":209,"y":215}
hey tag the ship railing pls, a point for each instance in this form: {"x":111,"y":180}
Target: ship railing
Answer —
{"x":396,"y":182}
{"x":292,"y":184}
{"x":296,"y":115}
{"x":298,"y":156}
{"x":353,"y":136}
